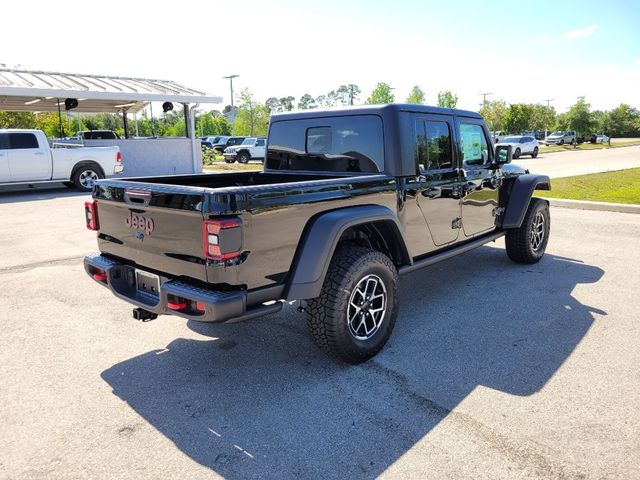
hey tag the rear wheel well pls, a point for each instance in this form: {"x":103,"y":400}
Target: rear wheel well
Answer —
{"x":381,"y":236}
{"x":86,"y":163}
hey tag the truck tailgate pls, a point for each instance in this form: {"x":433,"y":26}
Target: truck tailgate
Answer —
{"x":158,"y":227}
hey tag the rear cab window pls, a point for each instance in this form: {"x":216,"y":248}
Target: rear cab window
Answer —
{"x":351,"y":143}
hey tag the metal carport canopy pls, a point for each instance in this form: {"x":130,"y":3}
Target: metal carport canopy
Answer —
{"x":39,"y":91}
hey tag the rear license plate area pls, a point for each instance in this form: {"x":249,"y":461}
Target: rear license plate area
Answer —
{"x":148,"y":283}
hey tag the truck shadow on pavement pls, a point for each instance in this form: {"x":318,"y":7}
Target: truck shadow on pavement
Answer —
{"x":13,"y":194}
{"x":258,"y":400}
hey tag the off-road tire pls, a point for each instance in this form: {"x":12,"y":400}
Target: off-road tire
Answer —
{"x":327,"y":315}
{"x":516,"y":154}
{"x":521,"y":242}
{"x":243,"y":157}
{"x":535,"y":152}
{"x":561,"y":142}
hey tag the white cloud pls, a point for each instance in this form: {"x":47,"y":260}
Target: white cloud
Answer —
{"x":581,"y":32}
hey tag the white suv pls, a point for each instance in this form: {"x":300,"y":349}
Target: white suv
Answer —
{"x":250,"y":149}
{"x":521,"y":145}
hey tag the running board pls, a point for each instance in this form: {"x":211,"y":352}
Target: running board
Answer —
{"x":439,"y":257}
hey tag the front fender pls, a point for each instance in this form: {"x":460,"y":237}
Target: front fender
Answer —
{"x":519,"y":193}
{"x":320,"y":240}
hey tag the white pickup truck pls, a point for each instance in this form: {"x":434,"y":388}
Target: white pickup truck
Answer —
{"x":26,"y":158}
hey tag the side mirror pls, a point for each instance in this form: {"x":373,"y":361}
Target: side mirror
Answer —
{"x":503,"y":154}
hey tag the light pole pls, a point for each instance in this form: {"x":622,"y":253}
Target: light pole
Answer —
{"x":233,"y":118}
{"x":546,"y":126}
{"x":484,"y":97}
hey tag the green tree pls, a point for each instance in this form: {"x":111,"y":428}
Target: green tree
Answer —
{"x":542,"y":117}
{"x":381,"y":94}
{"x":253,"y":117}
{"x":273,"y":104}
{"x":306,"y":102}
{"x":518,"y":117}
{"x":494,"y":114}
{"x":447,"y":99}
{"x":579,"y":117}
{"x":416,"y":96}
{"x":623,"y":121}
{"x":287,"y":103}
{"x":17,"y":119}
{"x":353,"y":92}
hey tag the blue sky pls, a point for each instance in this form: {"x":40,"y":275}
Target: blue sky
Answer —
{"x":521,"y":53}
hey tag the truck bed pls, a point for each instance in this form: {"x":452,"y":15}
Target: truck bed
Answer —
{"x":273,"y":207}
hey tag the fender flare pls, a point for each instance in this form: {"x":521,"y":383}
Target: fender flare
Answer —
{"x":519,"y":196}
{"x":320,"y":240}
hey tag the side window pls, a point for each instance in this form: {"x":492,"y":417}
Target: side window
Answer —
{"x":260,"y":143}
{"x":473,"y":145}
{"x":433,"y":145}
{"x":20,"y":141}
{"x":4,"y":141}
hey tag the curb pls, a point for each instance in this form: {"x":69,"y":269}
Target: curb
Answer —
{"x":601,"y":206}
{"x":592,"y":149}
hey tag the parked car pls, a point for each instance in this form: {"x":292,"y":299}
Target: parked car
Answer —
{"x":26,"y":158}
{"x":224,"y":142}
{"x":599,"y":138}
{"x":561,"y":138}
{"x":250,"y":149}
{"x":97,"y":135}
{"x":522,"y":145}
{"x":498,"y":135}
{"x":537,"y":134}
{"x":330,"y":223}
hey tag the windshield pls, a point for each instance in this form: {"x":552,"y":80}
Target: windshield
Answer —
{"x":557,"y":133}
{"x":249,"y":141}
{"x":510,"y":140}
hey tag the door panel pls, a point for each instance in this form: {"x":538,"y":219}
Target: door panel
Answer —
{"x":437,"y":186}
{"x":5,"y":174}
{"x":27,"y":160}
{"x":481,"y":184}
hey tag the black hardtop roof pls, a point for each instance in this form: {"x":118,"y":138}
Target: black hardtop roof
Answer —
{"x":381,"y":110}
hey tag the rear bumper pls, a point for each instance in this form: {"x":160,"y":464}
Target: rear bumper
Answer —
{"x":219,"y":306}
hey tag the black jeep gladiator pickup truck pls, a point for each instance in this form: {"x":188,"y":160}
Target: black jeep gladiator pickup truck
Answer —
{"x":348,"y":200}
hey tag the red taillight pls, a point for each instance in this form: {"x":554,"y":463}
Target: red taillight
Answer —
{"x":222,"y":239}
{"x":91,"y":215}
{"x":118,"y":157}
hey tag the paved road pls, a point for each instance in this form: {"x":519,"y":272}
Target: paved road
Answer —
{"x":580,"y":162}
{"x":495,"y":370}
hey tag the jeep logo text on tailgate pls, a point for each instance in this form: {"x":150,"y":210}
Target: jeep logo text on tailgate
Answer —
{"x":138,"y":222}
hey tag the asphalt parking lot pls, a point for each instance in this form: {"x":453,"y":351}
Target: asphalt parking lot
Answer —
{"x":494,"y":370}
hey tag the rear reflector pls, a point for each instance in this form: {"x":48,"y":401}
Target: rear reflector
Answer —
{"x":177,"y":305}
{"x":222,"y":239}
{"x":91,"y":215}
{"x":100,"y":276}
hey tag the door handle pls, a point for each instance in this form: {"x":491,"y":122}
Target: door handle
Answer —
{"x":432,"y":192}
